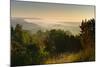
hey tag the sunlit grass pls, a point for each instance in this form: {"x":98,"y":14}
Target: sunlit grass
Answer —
{"x":84,"y":55}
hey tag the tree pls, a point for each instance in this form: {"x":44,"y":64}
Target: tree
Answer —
{"x":88,"y":33}
{"x":18,"y":33}
{"x":56,"y":41}
{"x":88,"y":38}
{"x":26,"y":38}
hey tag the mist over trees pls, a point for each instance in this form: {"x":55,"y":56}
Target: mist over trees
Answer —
{"x":35,"y":48}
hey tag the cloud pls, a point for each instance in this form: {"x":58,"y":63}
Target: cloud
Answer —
{"x":37,"y":24}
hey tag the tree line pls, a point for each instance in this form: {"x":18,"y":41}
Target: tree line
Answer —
{"x":34,"y":48}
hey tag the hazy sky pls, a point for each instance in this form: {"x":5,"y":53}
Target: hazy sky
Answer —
{"x":48,"y":11}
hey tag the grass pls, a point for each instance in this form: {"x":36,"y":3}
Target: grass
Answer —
{"x":83,"y":55}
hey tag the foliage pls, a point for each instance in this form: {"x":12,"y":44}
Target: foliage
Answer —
{"x":35,"y":48}
{"x":88,"y":32}
{"x":88,"y":37}
{"x":58,"y":42}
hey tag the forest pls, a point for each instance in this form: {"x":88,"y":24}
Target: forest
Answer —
{"x":52,"y":46}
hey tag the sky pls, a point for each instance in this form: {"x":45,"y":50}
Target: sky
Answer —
{"x":62,"y":12}
{"x":52,"y":15}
